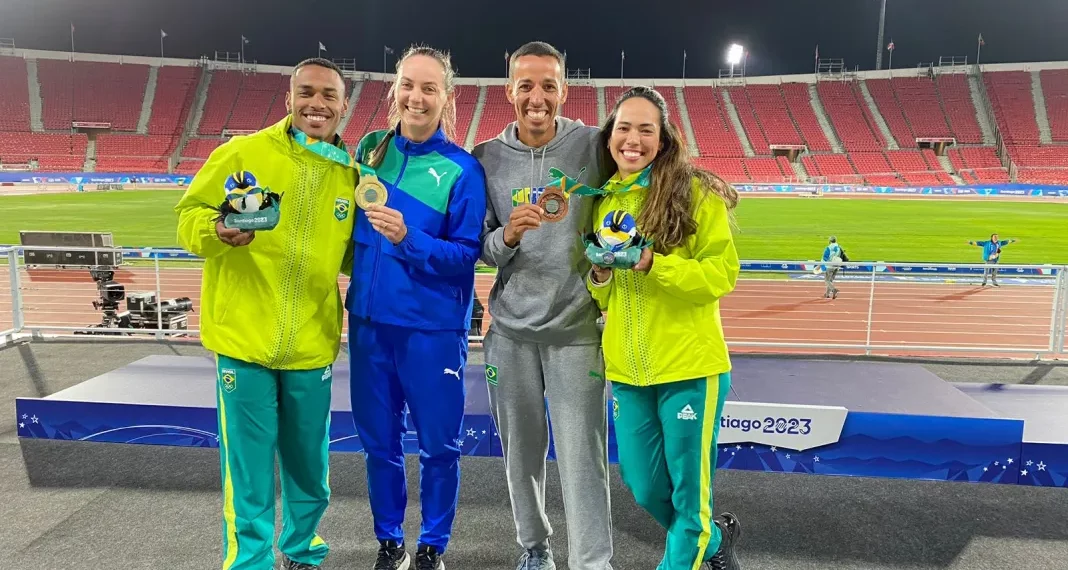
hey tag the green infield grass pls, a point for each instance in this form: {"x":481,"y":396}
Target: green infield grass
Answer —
{"x":790,"y":229}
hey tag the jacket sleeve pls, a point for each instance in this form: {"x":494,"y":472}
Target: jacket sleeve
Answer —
{"x":712,"y":272}
{"x":197,"y":209}
{"x":457,"y":252}
{"x":602,"y":292}
{"x":493,"y":249}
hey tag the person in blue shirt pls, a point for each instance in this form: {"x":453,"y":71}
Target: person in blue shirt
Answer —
{"x":409,"y":303}
{"x":833,"y":253}
{"x":992,"y":256}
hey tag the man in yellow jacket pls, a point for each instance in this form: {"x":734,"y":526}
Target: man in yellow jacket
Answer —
{"x":272,"y":313}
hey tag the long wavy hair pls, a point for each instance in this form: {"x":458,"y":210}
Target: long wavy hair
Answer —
{"x":667,"y":214}
{"x":448,"y":112}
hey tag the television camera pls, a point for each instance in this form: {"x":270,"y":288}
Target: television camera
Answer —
{"x":142,"y":310}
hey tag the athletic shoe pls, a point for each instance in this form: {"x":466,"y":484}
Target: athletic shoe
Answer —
{"x":288,"y":564}
{"x":427,"y":558}
{"x":725,"y":558}
{"x":537,"y":559}
{"x":392,"y":556}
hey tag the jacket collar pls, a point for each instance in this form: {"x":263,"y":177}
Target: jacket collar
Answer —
{"x":436,"y":142}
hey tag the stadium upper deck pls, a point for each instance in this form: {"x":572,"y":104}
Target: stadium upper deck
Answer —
{"x":136,"y":114}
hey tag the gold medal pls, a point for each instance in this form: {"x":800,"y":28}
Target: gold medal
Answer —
{"x":370,"y":192}
{"x":553,"y":205}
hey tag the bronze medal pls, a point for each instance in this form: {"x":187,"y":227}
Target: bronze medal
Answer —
{"x":370,"y":192}
{"x":553,"y":205}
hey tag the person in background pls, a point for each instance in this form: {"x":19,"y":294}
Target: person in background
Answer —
{"x":272,"y":314}
{"x":832,"y":254}
{"x":992,"y":256}
{"x":543,"y":342}
{"x":409,"y":310}
{"x":664,"y":348}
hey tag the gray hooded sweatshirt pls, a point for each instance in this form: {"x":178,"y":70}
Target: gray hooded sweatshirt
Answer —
{"x":540,"y":292}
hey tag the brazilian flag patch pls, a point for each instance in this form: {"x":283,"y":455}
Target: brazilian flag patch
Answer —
{"x":341,"y":208}
{"x":491,"y":375}
{"x":229,"y":380}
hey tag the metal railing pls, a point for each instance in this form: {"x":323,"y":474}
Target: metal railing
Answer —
{"x":917,"y":309}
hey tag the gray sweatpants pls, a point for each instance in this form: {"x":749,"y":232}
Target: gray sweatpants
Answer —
{"x":832,"y":272}
{"x":572,"y":379}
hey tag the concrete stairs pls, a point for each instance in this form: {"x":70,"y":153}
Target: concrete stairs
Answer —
{"x":192,"y":122}
{"x":982,"y":107}
{"x":880,"y":122}
{"x":1045,"y":136}
{"x":36,"y":105}
{"x":472,"y":129}
{"x":823,"y":120}
{"x":602,"y":106}
{"x":947,"y":165}
{"x":146,"y":103}
{"x":354,"y":96}
{"x":687,"y":126}
{"x":732,"y":112}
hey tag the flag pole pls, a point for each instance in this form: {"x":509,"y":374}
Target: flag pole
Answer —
{"x":161,"y":36}
{"x":622,"y":56}
{"x":979,"y":49}
{"x":72,"y":41}
{"x":684,"y":64}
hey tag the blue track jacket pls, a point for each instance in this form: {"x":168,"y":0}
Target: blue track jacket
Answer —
{"x":425,"y":282}
{"x":990,"y":248}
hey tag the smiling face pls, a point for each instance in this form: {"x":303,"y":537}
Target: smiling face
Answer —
{"x":635,"y":139}
{"x":536,"y":91}
{"x":421,"y":96}
{"x":316,"y":101}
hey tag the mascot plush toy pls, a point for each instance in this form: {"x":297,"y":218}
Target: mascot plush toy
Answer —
{"x":247,"y":206}
{"x":617,"y":242}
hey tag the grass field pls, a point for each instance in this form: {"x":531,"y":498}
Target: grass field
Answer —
{"x":768,"y":228}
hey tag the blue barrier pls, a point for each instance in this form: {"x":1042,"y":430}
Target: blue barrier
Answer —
{"x":182,"y":180}
{"x":769,"y":266}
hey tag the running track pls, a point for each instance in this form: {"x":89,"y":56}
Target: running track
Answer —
{"x":784,"y":311}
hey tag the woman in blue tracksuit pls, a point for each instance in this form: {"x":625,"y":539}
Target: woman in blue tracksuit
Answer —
{"x":408,"y":303}
{"x":992,"y":256}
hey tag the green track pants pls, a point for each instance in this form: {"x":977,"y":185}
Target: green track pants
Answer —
{"x":666,"y":439}
{"x":262,"y":413}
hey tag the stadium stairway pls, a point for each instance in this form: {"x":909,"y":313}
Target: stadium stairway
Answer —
{"x":736,"y":122}
{"x":192,"y":120}
{"x":1045,"y":136}
{"x":824,"y":120}
{"x":472,"y":131}
{"x":602,"y":112}
{"x":947,"y":165}
{"x":684,"y":118}
{"x":880,"y":121}
{"x":90,"y":155}
{"x":983,"y":109}
{"x":146,"y":104}
{"x":36,"y":124}
{"x":354,"y":96}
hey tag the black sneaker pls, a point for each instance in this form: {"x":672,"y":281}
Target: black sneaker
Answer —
{"x":288,"y":564}
{"x":392,"y":556}
{"x":725,"y":558}
{"x":427,"y":558}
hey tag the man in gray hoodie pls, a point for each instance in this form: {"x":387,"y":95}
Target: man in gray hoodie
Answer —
{"x":543,"y":341}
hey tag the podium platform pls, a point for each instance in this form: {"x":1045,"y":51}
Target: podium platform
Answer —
{"x":783,"y":415}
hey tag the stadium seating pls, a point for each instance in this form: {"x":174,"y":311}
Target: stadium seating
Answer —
{"x":1055,"y":91}
{"x":1014,"y":106}
{"x":91,"y":91}
{"x":769,"y":114}
{"x":14,"y":95}
{"x":711,"y":124}
{"x":850,"y":116}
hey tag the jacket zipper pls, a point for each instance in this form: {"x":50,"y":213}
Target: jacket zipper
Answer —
{"x":378,"y":242}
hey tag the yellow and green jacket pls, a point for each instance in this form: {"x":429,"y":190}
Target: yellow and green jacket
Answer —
{"x":664,"y":326}
{"x":274,"y":302}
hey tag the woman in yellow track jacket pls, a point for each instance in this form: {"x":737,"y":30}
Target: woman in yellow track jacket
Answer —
{"x":663,"y":341}
{"x":271,"y":311}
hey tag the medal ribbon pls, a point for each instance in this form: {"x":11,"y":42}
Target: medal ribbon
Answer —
{"x":324,"y":149}
{"x":569,"y":186}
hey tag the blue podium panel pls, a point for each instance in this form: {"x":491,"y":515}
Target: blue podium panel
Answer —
{"x":783,"y":415}
{"x":1044,"y":409}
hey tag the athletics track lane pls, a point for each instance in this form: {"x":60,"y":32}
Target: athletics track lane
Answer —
{"x":759,"y":310}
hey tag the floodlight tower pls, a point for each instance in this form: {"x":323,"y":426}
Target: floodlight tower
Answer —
{"x":734,"y":56}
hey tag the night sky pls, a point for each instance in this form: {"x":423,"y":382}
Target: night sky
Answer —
{"x":781,"y":35}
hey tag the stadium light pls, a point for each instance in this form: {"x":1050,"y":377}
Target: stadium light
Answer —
{"x":734,"y":56}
